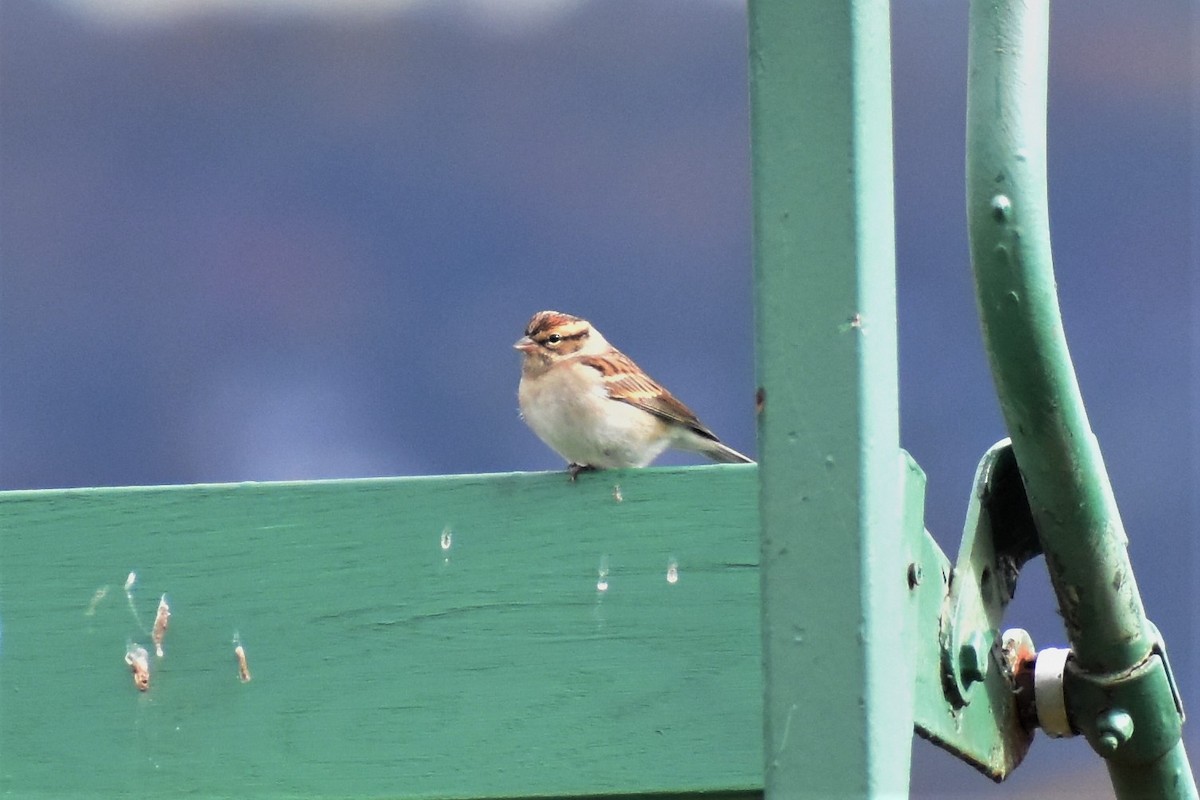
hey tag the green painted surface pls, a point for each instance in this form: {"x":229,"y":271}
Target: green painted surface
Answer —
{"x":975,"y":717}
{"x":1069,"y":493}
{"x":476,"y":636}
{"x":838,"y":671}
{"x":1068,"y":486}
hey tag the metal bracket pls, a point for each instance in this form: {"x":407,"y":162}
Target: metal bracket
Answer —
{"x":1160,"y":649}
{"x":1134,"y":716}
{"x":979,"y":695}
{"x":999,"y":537}
{"x":966,"y":693}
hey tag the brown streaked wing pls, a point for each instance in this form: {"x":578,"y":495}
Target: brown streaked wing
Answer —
{"x":627,"y":383}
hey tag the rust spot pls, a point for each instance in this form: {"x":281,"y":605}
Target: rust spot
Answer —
{"x":139,"y":664}
{"x":1019,"y":657}
{"x":760,"y":400}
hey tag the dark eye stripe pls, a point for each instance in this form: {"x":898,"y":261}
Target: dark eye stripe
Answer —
{"x":562,"y":337}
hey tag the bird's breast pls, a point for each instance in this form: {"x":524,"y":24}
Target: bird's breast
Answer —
{"x":568,"y":408}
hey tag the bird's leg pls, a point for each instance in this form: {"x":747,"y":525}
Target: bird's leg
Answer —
{"x":574,"y":469}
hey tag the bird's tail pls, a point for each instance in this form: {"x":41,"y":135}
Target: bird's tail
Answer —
{"x":724,"y":453}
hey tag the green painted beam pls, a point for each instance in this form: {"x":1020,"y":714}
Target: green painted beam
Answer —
{"x":838,"y":672}
{"x":475,"y":636}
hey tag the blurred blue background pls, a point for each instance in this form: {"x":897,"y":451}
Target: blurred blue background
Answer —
{"x":289,"y":239}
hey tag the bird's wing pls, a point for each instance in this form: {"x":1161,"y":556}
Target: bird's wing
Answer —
{"x":626,"y":382}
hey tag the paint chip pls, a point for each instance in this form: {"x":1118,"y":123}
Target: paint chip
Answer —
{"x":99,"y":595}
{"x":161,"y":619}
{"x":139,"y":664}
{"x":239,"y":653}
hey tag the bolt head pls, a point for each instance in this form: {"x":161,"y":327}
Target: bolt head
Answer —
{"x":1113,"y":729}
{"x":1001,"y":207}
{"x":973,"y":658}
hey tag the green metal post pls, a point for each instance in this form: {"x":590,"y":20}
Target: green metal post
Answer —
{"x":838,"y":683}
{"x":1119,"y":665}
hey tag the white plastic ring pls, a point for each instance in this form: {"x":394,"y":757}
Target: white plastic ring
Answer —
{"x":1048,"y":695}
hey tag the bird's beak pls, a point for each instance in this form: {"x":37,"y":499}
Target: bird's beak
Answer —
{"x":525,"y":344}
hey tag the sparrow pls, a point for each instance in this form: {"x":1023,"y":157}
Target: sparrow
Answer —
{"x":596,"y":408}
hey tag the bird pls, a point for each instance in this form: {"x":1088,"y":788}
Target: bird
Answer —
{"x":595,"y":407}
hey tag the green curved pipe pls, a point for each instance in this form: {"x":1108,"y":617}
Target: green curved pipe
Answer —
{"x":1068,"y":487}
{"x":1065,"y":479}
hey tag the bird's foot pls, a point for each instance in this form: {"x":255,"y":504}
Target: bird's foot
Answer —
{"x":573,"y":470}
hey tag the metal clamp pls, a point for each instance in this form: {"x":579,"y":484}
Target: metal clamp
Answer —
{"x":1128,"y":717}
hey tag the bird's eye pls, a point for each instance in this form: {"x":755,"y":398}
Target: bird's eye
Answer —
{"x":554,"y":338}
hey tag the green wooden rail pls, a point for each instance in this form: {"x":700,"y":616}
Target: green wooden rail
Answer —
{"x":479,"y":636}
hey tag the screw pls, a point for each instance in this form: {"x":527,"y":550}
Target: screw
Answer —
{"x":914,"y":575}
{"x":973,"y":658}
{"x":1001,"y":208}
{"x":1113,"y":728}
